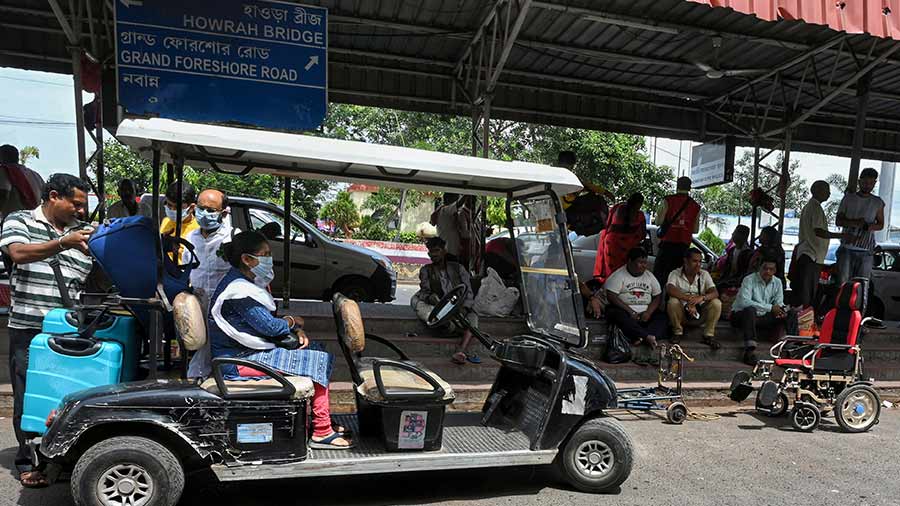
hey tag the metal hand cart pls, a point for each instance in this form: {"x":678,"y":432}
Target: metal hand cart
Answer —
{"x":671,"y":368}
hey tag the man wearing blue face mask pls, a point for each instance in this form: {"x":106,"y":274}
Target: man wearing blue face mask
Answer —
{"x":211,"y":215}
{"x":188,"y":202}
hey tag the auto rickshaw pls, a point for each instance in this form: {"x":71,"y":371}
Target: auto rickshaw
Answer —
{"x":133,"y":443}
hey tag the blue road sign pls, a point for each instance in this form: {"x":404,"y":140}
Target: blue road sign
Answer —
{"x":260,"y":63}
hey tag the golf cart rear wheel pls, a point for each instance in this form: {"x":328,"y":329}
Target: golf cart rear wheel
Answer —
{"x":805,"y":416}
{"x":598,"y":457}
{"x":778,"y":409}
{"x":676,"y":413}
{"x":857,"y":408}
{"x":127,"y":470}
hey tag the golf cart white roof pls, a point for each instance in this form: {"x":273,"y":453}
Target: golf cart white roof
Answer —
{"x":240,"y":150}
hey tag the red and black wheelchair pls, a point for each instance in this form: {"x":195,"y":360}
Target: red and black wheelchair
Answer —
{"x":820,"y":375}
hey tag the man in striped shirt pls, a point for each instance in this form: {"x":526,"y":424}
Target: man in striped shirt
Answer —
{"x":29,"y":242}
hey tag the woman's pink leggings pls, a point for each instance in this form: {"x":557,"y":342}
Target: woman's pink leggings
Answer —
{"x":321,"y":412}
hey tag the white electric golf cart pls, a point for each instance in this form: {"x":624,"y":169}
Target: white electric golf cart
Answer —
{"x":132,"y":443}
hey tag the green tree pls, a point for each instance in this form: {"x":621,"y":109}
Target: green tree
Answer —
{"x":838,"y":185}
{"x":27,"y":153}
{"x":342,"y":211}
{"x":615,"y":161}
{"x":733,"y":198}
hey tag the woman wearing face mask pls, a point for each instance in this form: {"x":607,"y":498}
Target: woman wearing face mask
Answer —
{"x":241,"y":324}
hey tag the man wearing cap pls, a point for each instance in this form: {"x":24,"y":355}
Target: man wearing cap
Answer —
{"x":860,"y":215}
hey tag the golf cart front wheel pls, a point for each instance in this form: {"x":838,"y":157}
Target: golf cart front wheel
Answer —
{"x":676,"y":413}
{"x":805,"y":416}
{"x":857,"y":408}
{"x":127,"y":470}
{"x":598,"y":457}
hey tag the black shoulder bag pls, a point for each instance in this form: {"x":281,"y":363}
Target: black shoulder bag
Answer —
{"x":667,"y":224}
{"x":57,"y":272}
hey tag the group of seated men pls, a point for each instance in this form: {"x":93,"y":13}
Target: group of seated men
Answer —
{"x":636,"y":302}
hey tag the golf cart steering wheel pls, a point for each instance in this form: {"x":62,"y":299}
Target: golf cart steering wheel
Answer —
{"x":448,"y":307}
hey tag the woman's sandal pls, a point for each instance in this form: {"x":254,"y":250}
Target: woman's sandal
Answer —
{"x":327,"y":443}
{"x":33,"y":479}
{"x":473,"y":358}
{"x":711,"y":342}
{"x":340,"y":429}
{"x":459,"y":358}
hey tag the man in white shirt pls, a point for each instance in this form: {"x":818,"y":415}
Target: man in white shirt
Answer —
{"x":634,"y":297}
{"x":127,"y":204}
{"x":860,"y":215}
{"x":445,"y":218}
{"x":214,"y":230}
{"x":693,"y":299}
{"x":809,"y":256}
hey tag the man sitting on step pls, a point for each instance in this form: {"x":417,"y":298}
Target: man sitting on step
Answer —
{"x":693,"y":299}
{"x":436,"y":280}
{"x":759,"y":305}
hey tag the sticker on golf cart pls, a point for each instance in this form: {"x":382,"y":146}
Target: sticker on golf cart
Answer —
{"x":573,"y":402}
{"x":412,"y":430}
{"x":254,"y":433}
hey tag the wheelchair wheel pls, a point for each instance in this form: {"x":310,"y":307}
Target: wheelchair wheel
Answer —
{"x":805,"y":416}
{"x":676,"y":413}
{"x":857,"y":408}
{"x":779,"y":408}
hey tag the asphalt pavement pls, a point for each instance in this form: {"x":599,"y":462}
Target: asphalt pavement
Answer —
{"x":739,"y":459}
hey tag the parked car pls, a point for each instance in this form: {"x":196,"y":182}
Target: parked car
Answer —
{"x":584,"y":249}
{"x":884,"y":299}
{"x":320,"y":265}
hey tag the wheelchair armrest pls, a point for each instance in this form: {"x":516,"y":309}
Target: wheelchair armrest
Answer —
{"x":286,"y":391}
{"x":436,"y":394}
{"x":775,"y":351}
{"x":811,"y":356}
{"x":385,"y":342}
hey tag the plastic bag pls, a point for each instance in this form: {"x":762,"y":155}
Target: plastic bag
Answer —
{"x":618,"y":349}
{"x":494,"y":298}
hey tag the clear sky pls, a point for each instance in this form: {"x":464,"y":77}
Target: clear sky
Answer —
{"x":37,"y":109}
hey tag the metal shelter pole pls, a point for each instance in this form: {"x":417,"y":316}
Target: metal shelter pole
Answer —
{"x":101,"y":168}
{"x":79,"y":111}
{"x":859,"y":132}
{"x":783,"y":179}
{"x":286,"y":243}
{"x":755,"y":209}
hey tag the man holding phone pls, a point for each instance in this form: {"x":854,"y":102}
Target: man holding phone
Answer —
{"x":759,"y":305}
{"x":34,"y":241}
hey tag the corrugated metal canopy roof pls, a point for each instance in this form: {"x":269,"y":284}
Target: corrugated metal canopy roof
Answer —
{"x":637,"y":66}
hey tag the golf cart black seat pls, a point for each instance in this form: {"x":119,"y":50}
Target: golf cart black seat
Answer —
{"x":388,"y":389}
{"x":303,"y":386}
{"x":274,"y":386}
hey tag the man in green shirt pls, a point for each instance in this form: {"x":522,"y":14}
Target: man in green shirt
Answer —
{"x":759,"y":305}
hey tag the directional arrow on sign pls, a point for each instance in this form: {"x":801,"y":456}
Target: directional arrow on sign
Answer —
{"x":129,"y":3}
{"x":313,"y":61}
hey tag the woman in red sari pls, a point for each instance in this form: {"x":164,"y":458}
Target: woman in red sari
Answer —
{"x":625,"y":229}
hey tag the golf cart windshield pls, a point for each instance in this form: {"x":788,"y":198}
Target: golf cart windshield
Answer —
{"x":549,"y":288}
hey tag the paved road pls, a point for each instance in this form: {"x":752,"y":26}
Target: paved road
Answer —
{"x":737,"y":460}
